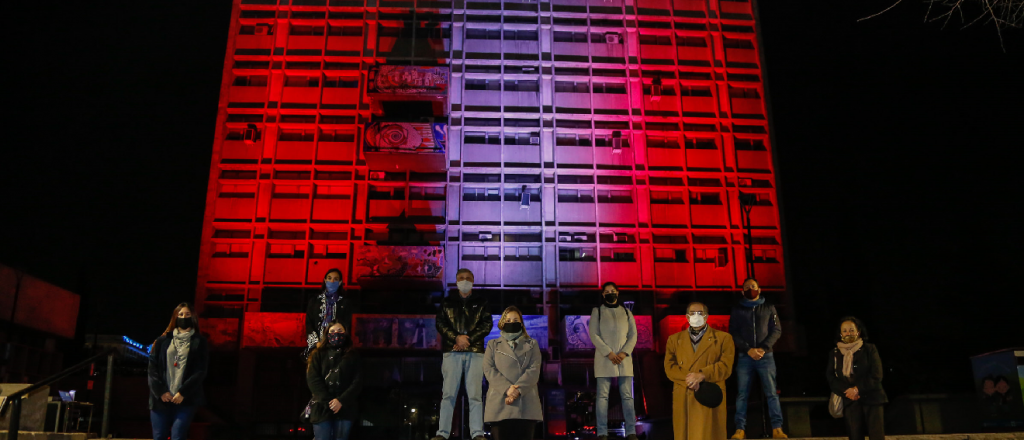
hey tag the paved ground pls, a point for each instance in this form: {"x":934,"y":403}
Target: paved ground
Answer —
{"x":1002,"y":436}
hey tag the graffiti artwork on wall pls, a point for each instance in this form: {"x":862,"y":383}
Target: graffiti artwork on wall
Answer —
{"x":411,"y":80}
{"x":395,"y":331}
{"x":577,"y":333}
{"x":399,"y":262}
{"x":406,"y":137}
{"x":536,"y":327}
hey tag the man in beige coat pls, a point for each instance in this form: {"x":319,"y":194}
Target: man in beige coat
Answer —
{"x":692,"y":357}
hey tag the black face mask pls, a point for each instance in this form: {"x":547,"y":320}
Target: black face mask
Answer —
{"x":184,"y":323}
{"x":611,"y":300}
{"x":513,"y":327}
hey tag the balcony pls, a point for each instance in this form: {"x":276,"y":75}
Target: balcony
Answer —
{"x":669,"y":215}
{"x":577,"y":273}
{"x":668,"y":159}
{"x":747,"y":107}
{"x":345,"y":46}
{"x":673,"y":274}
{"x":248,"y":94}
{"x":241,"y":151}
{"x":409,"y":83}
{"x":702,"y":106}
{"x":402,"y":146}
{"x":389,"y":266}
{"x":295,"y":151}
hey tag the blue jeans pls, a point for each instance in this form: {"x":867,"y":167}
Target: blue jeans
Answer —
{"x":604,"y":385}
{"x":172,"y":422}
{"x":745,"y":365}
{"x":332,"y":430}
{"x":454,"y":367}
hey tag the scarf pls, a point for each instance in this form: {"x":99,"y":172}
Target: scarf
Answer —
{"x":695,"y":337}
{"x":177,"y":357}
{"x":512,"y":338}
{"x":330,"y":300}
{"x":848,"y":350}
{"x":751,"y":304}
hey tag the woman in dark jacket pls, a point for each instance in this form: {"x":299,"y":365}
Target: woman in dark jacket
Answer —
{"x":330,"y":305}
{"x":854,"y":371}
{"x":177,"y":367}
{"x":333,"y":375}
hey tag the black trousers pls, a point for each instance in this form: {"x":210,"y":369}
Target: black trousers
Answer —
{"x":858,"y":415}
{"x":513,"y":429}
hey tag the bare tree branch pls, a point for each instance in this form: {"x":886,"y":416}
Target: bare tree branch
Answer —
{"x":1003,"y":14}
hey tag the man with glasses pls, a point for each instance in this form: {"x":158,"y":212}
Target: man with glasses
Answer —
{"x":754,"y":326}
{"x":695,"y":356}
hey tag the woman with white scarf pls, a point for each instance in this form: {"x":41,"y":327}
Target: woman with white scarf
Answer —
{"x":178,"y":363}
{"x":854,"y":371}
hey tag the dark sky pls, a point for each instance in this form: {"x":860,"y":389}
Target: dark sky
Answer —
{"x":895,"y":138}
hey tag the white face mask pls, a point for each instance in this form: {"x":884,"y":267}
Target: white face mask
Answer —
{"x":696,"y":321}
{"x":464,"y":286}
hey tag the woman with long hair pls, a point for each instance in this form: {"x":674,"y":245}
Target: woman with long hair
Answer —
{"x":333,"y":376}
{"x":178,"y":363}
{"x":854,"y":372}
{"x":330,"y":305}
{"x":512,"y":368}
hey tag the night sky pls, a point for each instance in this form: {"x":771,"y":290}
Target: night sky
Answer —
{"x":896,"y":142}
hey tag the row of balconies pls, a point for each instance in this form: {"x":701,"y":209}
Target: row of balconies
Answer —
{"x":302,"y":203}
{"x":316,"y":9}
{"x":505,"y":265}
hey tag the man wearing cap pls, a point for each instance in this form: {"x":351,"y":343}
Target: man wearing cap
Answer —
{"x":698,"y":360}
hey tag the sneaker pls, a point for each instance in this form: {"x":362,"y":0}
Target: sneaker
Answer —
{"x":479,"y":437}
{"x":739,"y":434}
{"x":777,"y":433}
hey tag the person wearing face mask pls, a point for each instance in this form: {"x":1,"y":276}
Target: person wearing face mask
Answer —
{"x":854,"y":371}
{"x":333,"y":376}
{"x":754,"y":326}
{"x":512,"y":366}
{"x":330,"y":305}
{"x":463,"y":322}
{"x":694,"y":358}
{"x":178,"y":363}
{"x":613,"y":332}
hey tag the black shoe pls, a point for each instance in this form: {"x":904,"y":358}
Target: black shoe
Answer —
{"x":439,"y":437}
{"x":479,"y":437}
{"x":632,"y":437}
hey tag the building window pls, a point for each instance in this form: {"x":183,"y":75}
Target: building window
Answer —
{"x":667,"y":197}
{"x":610,"y":88}
{"x":617,"y":255}
{"x":656,"y":40}
{"x":522,"y":86}
{"x":483,"y":34}
{"x":306,"y":30}
{"x":296,"y":135}
{"x":483,"y":84}
{"x":572,"y":87}
{"x":614,"y":196}
{"x":576,"y":254}
{"x":480,"y":195}
{"x":575,"y":196}
{"x":521,"y":35}
{"x":345,"y":31}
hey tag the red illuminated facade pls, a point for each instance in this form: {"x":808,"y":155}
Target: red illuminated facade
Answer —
{"x":547,"y":146}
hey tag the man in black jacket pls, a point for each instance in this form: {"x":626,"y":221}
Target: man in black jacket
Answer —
{"x":463,"y":323}
{"x":754,"y":326}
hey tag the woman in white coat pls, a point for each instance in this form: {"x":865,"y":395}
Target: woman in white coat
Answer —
{"x":512,"y":365}
{"x":613,"y":332}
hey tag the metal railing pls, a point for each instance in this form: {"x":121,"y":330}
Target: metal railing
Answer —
{"x":15,"y":399}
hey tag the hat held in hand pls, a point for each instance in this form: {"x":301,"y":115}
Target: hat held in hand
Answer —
{"x":708,"y":394}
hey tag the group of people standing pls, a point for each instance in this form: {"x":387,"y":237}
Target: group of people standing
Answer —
{"x":698,"y":360}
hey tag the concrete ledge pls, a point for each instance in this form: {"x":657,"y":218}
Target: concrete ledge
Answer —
{"x":35,"y":435}
{"x":995,"y":436}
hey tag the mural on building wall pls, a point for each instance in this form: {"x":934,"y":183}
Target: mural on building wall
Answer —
{"x":406,"y":137}
{"x":577,"y":333}
{"x":410,"y":80}
{"x":395,"y":331}
{"x":263,"y":329}
{"x":399,"y":262}
{"x":536,"y":327}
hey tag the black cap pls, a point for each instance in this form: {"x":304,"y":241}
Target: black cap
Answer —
{"x":709,"y":394}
